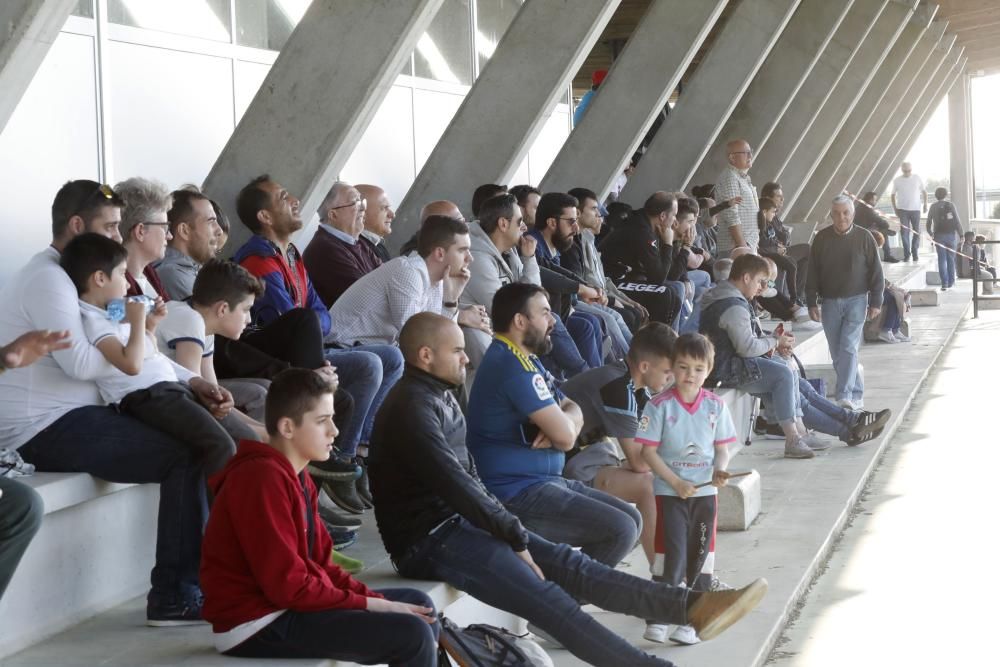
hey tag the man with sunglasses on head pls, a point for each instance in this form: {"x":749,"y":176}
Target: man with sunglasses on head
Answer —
{"x":336,"y":257}
{"x":53,"y":413}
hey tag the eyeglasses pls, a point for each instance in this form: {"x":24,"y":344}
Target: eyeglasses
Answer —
{"x":363,"y":202}
{"x":571,"y":221}
{"x":747,"y":153}
{"x":155,"y":224}
{"x":764,"y":282}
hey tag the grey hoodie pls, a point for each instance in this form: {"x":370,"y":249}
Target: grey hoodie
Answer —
{"x":736,"y":322}
{"x":490,"y":270}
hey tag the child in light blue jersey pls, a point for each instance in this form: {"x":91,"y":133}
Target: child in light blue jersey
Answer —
{"x":686,"y":432}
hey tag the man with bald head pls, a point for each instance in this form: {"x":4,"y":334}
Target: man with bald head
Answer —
{"x":335,"y":258}
{"x":738,"y":224}
{"x":379,"y":215}
{"x":441,"y":207}
{"x":439,"y":522}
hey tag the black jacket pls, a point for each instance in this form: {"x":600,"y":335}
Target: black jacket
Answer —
{"x":633,"y":252}
{"x":421,"y":472}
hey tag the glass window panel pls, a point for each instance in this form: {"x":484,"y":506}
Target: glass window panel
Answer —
{"x":84,"y":8}
{"x":444,"y":52}
{"x":207,"y":19}
{"x":267,"y":24}
{"x":493,"y":17}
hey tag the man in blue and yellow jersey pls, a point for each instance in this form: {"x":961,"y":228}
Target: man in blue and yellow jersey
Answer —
{"x":521,"y":425}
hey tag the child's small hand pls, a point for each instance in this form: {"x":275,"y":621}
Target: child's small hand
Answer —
{"x":157,"y":314}
{"x":135,"y":313}
{"x":684,"y":489}
{"x":720,"y":478}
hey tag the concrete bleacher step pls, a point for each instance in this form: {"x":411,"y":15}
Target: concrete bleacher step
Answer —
{"x":118,"y":636}
{"x":93,"y":552}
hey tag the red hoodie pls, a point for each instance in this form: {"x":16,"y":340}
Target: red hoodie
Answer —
{"x":255,"y":557}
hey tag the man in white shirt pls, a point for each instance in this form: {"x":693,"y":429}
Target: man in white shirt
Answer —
{"x":375,"y":308}
{"x":909,"y":198}
{"x":737,"y":224}
{"x":53,"y":413}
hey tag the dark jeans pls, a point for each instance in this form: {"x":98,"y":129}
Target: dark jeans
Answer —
{"x":171,"y":408}
{"x":21,"y":512}
{"x":791,"y":269}
{"x":367,"y":373}
{"x":564,"y":360}
{"x":570,"y":512}
{"x":352,"y":635}
{"x":586,"y":332}
{"x":486,"y":568}
{"x":107,"y":444}
{"x":909,"y":232}
{"x":296,"y":337}
{"x":663,"y":302}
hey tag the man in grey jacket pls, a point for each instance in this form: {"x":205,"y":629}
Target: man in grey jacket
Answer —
{"x":502,"y":255}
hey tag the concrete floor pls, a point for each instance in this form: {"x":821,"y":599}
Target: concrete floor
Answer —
{"x":905,"y":584}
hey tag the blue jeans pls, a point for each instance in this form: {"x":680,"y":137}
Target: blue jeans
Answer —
{"x":614,"y":323}
{"x":564,"y":361}
{"x":702,"y":283}
{"x":825,"y":416}
{"x":843,"y":323}
{"x":891,"y":320}
{"x":486,"y":568}
{"x":20,"y":519}
{"x":570,"y":512}
{"x":779,"y":386}
{"x":367,"y":373}
{"x":117,"y":448}
{"x":909,"y":232}
{"x":585,"y":329}
{"x":353,"y":635}
{"x":946,"y":257}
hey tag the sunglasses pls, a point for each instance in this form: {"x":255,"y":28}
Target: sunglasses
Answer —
{"x":102,"y":192}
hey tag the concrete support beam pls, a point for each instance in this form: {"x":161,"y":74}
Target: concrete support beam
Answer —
{"x":27,"y":30}
{"x":894,"y":98}
{"x":771,"y":92}
{"x":716,"y":86}
{"x":936,"y":92}
{"x":845,"y":95}
{"x":859,"y":182}
{"x":506,"y":108}
{"x":772,"y":157}
{"x":645,"y":73}
{"x":960,"y":143}
{"x":319,"y":97}
{"x":818,"y":189}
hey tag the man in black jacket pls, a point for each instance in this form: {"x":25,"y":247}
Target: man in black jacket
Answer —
{"x":439,"y":522}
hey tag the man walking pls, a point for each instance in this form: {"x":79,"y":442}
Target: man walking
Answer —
{"x":846,"y":274}
{"x":909,"y":198}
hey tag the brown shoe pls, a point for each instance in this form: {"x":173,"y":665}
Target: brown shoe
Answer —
{"x":715,"y":611}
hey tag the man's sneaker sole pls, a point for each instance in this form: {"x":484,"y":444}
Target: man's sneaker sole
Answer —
{"x":749,"y":598}
{"x":174,"y":623}
{"x":319,"y":473}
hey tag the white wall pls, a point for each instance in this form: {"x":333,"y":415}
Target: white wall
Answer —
{"x":163,"y":106}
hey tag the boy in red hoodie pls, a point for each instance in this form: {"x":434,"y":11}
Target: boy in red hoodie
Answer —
{"x":271,"y":590}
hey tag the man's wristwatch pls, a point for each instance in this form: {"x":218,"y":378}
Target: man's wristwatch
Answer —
{"x":450,"y":304}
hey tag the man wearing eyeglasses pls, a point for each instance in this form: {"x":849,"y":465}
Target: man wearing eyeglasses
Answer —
{"x":336,"y":257}
{"x":738,"y":224}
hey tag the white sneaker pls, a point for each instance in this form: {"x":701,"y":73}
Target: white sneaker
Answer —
{"x":801,"y":314}
{"x":814,"y":442}
{"x":719,"y":585}
{"x":887,"y":337}
{"x":656,"y":633}
{"x":808,"y":325}
{"x":685,"y":635}
{"x":901,"y":337}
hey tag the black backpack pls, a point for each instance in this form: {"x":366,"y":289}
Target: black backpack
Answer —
{"x":482,"y":645}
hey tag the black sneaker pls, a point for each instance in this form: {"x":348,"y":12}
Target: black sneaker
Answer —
{"x":889,"y":259}
{"x":175,"y":612}
{"x":344,"y":495}
{"x":362,"y":486}
{"x":335,"y":469}
{"x":332,"y":517}
{"x":770,"y":431}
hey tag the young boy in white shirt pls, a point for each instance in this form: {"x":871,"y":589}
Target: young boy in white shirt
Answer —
{"x":145,"y":384}
{"x":686,"y":432}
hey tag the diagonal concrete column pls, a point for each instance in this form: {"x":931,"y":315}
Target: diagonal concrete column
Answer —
{"x":506,"y":108}
{"x":645,"y":73}
{"x":813,"y":94}
{"x":27,"y":30}
{"x":936,"y":92}
{"x":771,"y":92}
{"x":720,"y":80}
{"x":939,"y":56}
{"x":318,"y":99}
{"x":845,"y":95}
{"x":960,"y":147}
{"x":818,"y":185}
{"x":892,"y":100}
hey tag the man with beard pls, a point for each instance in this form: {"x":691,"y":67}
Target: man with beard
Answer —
{"x":554,"y":228}
{"x":439,"y":522}
{"x":521,"y":425}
